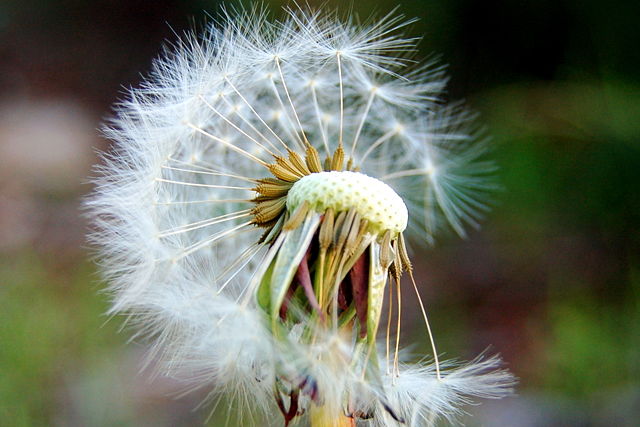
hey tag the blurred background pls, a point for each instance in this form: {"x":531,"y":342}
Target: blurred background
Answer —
{"x":552,"y":281}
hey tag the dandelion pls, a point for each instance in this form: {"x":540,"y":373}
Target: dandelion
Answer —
{"x":255,"y":212}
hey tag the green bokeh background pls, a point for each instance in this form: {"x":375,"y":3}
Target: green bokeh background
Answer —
{"x":552,"y":281}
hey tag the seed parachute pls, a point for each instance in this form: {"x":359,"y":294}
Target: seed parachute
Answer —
{"x":253,"y":218}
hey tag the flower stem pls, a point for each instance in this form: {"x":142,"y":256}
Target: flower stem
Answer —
{"x":320,"y":416}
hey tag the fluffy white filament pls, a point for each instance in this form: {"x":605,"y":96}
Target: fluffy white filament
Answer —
{"x":172,"y":198}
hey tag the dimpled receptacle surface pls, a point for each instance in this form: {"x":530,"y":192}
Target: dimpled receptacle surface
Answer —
{"x":374,"y":200}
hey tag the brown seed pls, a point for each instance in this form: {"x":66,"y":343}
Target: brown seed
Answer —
{"x":337,"y":163}
{"x":345,"y":231}
{"x":337,"y":228}
{"x":353,"y":237}
{"x":283,"y":173}
{"x":298,"y":163}
{"x":404,"y":256}
{"x":327,"y":163}
{"x":313,"y":159}
{"x":272,"y":187}
{"x":269,"y":210}
{"x":287,"y":164}
{"x":326,"y":230}
{"x":396,"y":267}
{"x":350,"y":163}
{"x":386,"y":251}
{"x":298,"y":216}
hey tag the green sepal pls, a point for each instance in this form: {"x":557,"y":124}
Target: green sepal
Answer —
{"x":295,"y":244}
{"x":378,"y":275}
{"x":347,"y":316}
{"x":263,"y":296}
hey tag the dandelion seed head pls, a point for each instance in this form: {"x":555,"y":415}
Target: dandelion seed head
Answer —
{"x":252,"y":214}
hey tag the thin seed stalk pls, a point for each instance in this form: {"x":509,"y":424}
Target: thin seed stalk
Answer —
{"x":333,"y":270}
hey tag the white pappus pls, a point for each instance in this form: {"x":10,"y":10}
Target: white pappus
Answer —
{"x":251,"y":217}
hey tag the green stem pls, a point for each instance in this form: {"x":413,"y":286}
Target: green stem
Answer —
{"x":320,"y":416}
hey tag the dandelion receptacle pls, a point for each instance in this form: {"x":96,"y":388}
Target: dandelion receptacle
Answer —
{"x":254,"y":214}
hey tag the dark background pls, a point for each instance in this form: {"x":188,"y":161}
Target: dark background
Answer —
{"x":552,"y":281}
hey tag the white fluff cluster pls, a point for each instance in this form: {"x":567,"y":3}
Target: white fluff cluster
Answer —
{"x":422,"y":399}
{"x":172,"y":201}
